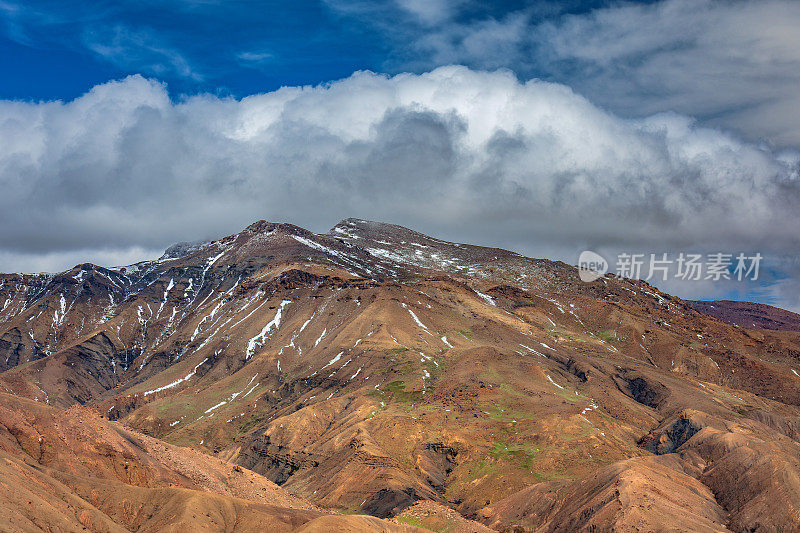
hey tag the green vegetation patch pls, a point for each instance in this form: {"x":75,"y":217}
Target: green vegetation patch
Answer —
{"x":396,"y":351}
{"x":466,"y":333}
{"x":522,"y":455}
{"x":410,"y":521}
{"x":398,"y":392}
{"x":607,"y":334}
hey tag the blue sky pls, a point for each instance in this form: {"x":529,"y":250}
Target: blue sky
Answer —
{"x":545,"y":127}
{"x":57,"y":50}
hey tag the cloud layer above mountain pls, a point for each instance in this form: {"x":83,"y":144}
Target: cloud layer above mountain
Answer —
{"x":477,"y":156}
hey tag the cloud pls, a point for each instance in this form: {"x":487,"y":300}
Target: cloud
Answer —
{"x":469,"y":155}
{"x":57,"y":261}
{"x":485,"y":43}
{"x":429,"y":11}
{"x":784,"y":293}
{"x":733,"y":64}
{"x":138,"y":49}
{"x":255,"y":57}
{"x":112,"y":33}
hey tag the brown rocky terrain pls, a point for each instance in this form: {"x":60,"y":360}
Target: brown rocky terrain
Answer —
{"x":74,"y":470}
{"x":374,"y":377}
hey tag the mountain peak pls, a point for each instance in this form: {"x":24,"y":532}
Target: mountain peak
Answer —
{"x":370,"y":229}
{"x":264,"y":226}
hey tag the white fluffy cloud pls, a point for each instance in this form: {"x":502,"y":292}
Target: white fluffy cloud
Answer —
{"x":478,"y":156}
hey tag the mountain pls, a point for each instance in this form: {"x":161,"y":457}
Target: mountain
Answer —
{"x":375,"y":377}
{"x":749,"y":315}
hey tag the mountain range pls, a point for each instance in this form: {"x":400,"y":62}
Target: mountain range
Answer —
{"x":373,"y":378}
